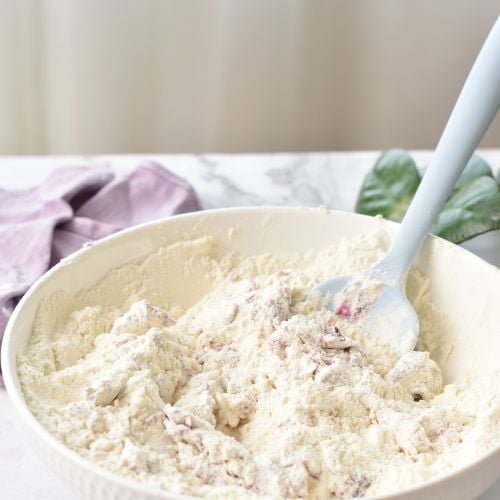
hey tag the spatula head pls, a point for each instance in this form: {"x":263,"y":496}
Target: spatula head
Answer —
{"x":381,"y":309}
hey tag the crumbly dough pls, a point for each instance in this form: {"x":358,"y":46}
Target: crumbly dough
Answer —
{"x":215,"y":375}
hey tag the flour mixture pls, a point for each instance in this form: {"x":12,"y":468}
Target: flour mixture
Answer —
{"x":210,"y":374}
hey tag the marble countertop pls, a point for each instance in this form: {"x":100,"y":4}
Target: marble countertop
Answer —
{"x":312,"y":179}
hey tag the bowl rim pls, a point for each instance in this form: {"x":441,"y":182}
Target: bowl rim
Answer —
{"x":14,"y":390}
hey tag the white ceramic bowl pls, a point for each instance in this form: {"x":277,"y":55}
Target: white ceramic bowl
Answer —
{"x":463,"y":286}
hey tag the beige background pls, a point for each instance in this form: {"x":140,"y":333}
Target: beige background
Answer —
{"x":94,"y":76}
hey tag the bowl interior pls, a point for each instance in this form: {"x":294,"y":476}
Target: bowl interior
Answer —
{"x":463,"y":286}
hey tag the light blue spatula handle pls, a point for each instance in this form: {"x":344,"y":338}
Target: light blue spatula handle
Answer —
{"x":475,"y":109}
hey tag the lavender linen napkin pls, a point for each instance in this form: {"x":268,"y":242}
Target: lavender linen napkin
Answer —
{"x":41,"y":225}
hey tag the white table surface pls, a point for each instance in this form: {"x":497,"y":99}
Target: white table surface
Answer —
{"x":331,"y":179}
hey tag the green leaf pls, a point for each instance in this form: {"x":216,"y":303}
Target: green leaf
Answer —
{"x":476,"y":167}
{"x":389,"y":188}
{"x":472,"y":210}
